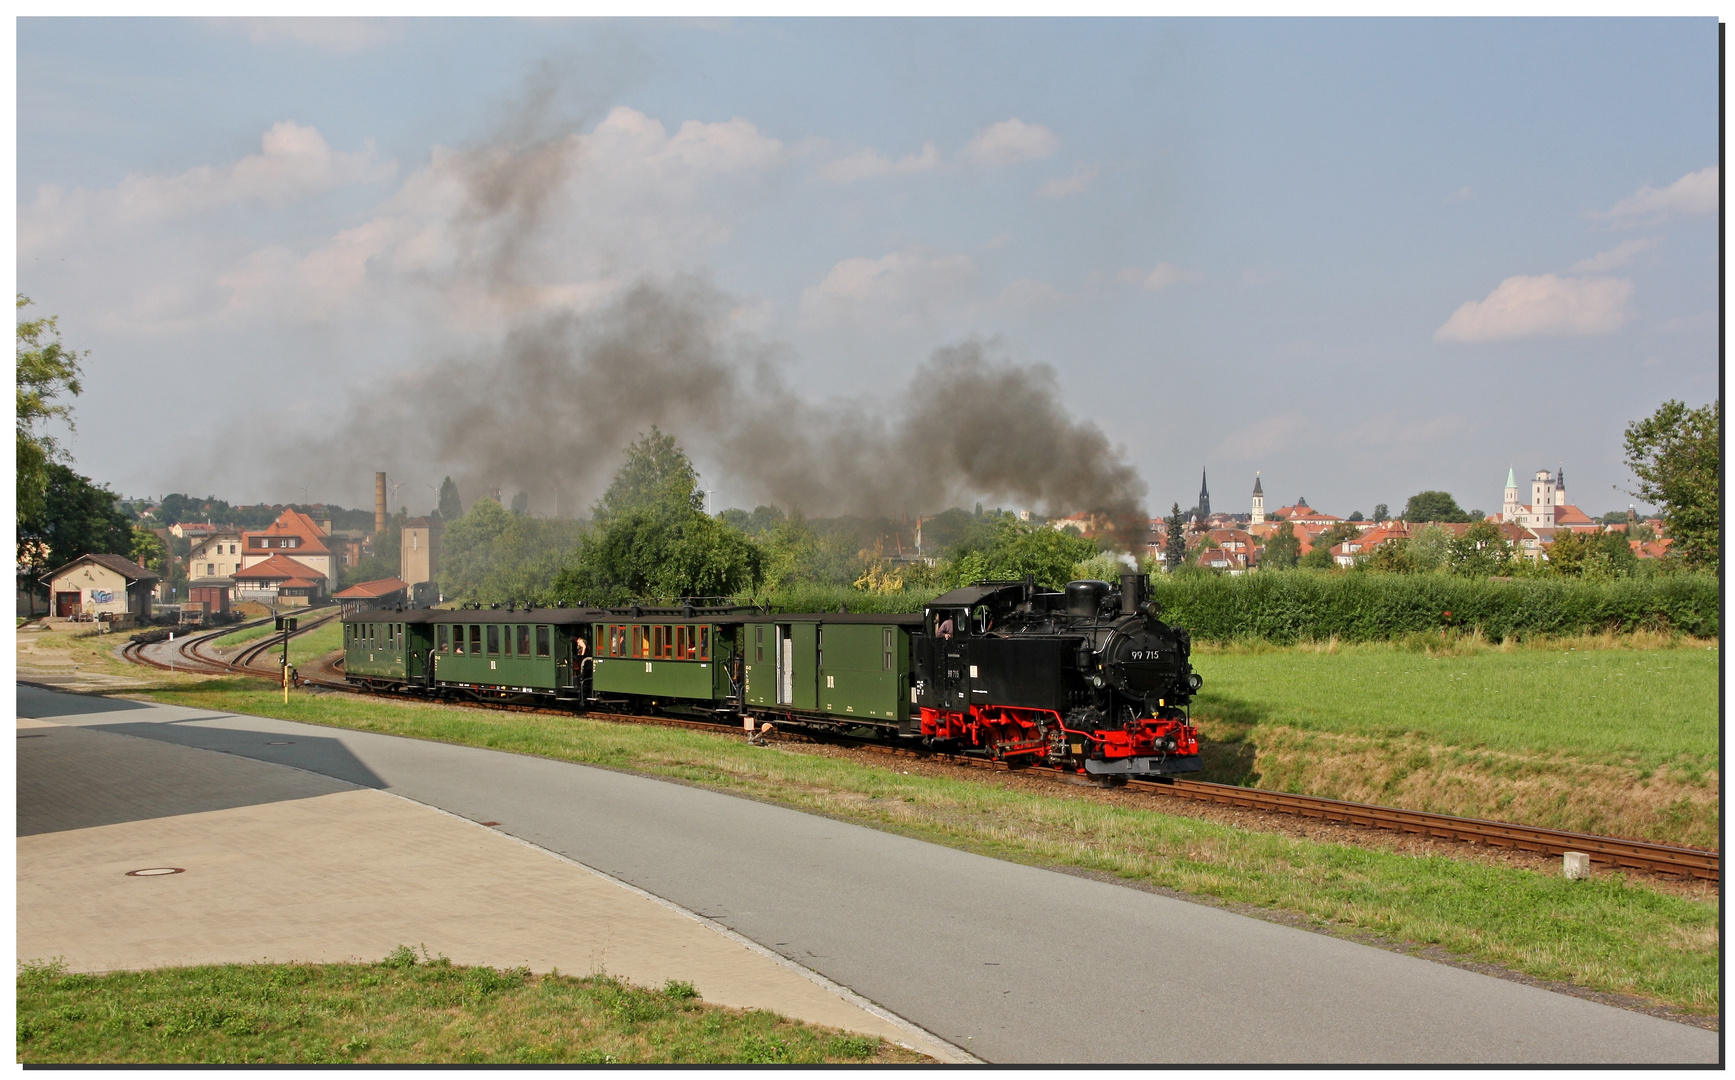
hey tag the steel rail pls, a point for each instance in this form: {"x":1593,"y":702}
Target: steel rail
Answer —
{"x":1608,"y":850}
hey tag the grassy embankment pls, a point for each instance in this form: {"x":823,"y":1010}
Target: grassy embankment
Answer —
{"x":400,"y":1011}
{"x":1614,"y":734}
{"x":1607,"y":933}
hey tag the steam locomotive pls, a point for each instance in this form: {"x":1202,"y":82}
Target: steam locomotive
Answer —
{"x":1089,"y":679}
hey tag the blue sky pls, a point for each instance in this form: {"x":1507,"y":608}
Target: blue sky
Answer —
{"x":1365,"y":257}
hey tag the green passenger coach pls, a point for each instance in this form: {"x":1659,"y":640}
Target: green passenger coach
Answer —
{"x":839,"y":670}
{"x":387,"y":647}
{"x":844,"y":666}
{"x":665,"y":657}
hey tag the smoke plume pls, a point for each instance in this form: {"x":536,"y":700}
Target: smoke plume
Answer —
{"x":548,"y":409}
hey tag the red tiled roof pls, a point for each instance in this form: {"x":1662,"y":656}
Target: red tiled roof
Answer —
{"x":293,"y":523}
{"x":298,"y":583}
{"x":278,"y":568}
{"x":1568,"y":514}
{"x":369,"y":590}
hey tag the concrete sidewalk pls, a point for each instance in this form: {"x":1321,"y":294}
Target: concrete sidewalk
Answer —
{"x":280,"y":864}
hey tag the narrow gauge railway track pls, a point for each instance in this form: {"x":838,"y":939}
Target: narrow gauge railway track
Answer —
{"x":1608,"y":850}
{"x":192,"y":659}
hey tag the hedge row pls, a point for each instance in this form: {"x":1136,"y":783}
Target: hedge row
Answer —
{"x":1298,"y":606}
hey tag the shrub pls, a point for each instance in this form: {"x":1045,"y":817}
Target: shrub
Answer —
{"x":1289,"y":607}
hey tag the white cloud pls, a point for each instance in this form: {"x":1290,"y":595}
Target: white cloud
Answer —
{"x":1695,"y":193}
{"x":1082,"y":177}
{"x":466,"y":240}
{"x":1616,"y":256}
{"x":294,"y":163}
{"x":865,"y":164}
{"x":1543,"y":306}
{"x":901,"y":288}
{"x":1009,"y":142}
{"x":1155,"y":279}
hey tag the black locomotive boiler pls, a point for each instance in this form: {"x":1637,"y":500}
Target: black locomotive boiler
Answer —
{"x":1090,"y":677}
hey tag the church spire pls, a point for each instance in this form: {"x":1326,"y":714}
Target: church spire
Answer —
{"x":1257,"y":490}
{"x":1204,"y":497}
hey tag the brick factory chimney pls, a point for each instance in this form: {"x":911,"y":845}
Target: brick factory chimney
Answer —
{"x":379,"y":503}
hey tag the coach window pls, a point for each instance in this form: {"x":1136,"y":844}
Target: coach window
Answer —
{"x":475,"y":640}
{"x":524,"y":641}
{"x":704,"y":643}
{"x":759,"y":644}
{"x":659,"y":641}
{"x":542,"y":641}
{"x":440,"y":638}
{"x":681,"y":642}
{"x":493,"y":640}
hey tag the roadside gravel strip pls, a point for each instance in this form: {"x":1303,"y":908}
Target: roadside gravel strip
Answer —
{"x":1009,"y":962}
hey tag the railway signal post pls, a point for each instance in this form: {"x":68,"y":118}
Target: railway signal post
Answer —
{"x":286,"y":625}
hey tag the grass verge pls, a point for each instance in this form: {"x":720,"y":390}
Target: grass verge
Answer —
{"x":1608,"y":933}
{"x":1605,"y":734}
{"x":400,"y":1010}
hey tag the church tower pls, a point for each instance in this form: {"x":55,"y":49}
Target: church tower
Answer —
{"x":1204,"y":497}
{"x":1542,"y":500}
{"x":1509,"y":508}
{"x":1258,"y":517}
{"x":1560,"y":486}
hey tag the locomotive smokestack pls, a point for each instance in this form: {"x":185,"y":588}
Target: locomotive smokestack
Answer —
{"x":1133,"y":589}
{"x":379,"y":503}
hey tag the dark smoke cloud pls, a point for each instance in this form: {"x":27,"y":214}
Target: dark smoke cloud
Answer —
{"x":551,"y":410}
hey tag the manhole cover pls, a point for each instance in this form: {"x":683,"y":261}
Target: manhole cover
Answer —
{"x":157,"y":871}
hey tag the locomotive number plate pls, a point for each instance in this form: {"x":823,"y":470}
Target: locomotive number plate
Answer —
{"x":1144,"y":654}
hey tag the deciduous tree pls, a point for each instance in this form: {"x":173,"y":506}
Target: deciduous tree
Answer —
{"x":1482,"y":550}
{"x":1434,"y":506}
{"x":1676,"y":455}
{"x":1283,"y":549}
{"x":46,"y":371}
{"x":77,"y":518}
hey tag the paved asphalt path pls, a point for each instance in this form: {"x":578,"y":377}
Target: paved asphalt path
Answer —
{"x":1010,"y":963}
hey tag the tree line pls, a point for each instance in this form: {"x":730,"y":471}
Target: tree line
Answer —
{"x":649,"y":536}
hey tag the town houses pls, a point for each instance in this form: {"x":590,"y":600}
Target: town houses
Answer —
{"x":1235,"y":543}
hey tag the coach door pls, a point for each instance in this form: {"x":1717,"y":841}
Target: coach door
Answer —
{"x":785,"y":665}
